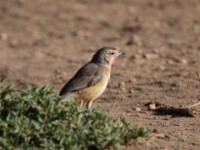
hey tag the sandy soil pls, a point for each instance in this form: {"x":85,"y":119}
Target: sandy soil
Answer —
{"x":46,"y":41}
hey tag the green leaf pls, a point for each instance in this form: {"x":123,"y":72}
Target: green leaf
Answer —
{"x":32,"y":119}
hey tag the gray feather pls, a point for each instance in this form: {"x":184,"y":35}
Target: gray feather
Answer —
{"x":88,"y":75}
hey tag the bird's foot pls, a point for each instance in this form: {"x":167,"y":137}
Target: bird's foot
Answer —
{"x":91,"y":108}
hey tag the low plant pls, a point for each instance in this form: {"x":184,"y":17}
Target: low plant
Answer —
{"x":31,"y":119}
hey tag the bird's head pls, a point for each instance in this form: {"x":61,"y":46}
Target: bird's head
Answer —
{"x":107,"y":55}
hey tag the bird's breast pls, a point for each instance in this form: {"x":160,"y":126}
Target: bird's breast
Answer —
{"x":95,"y":91}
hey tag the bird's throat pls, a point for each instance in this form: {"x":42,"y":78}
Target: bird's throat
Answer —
{"x":112,"y":61}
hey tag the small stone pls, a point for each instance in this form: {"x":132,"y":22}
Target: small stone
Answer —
{"x":137,"y":109}
{"x":3,"y":36}
{"x":167,"y":136}
{"x":57,"y":71}
{"x":122,"y":86}
{"x":131,"y":91}
{"x":13,"y":43}
{"x":162,"y":68}
{"x":152,"y":106}
{"x":198,"y":73}
{"x":171,"y":62}
{"x":132,"y":80}
{"x":184,"y":61}
{"x":160,"y":135}
{"x":155,"y":131}
{"x":136,"y":56}
{"x":150,"y":56}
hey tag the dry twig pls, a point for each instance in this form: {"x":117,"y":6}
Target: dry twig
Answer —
{"x":170,"y":110}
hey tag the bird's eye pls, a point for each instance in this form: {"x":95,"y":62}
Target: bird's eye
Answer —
{"x":112,"y":53}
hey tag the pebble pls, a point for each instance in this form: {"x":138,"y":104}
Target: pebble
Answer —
{"x":122,"y":86}
{"x":155,"y":131}
{"x":13,"y":43}
{"x":162,"y":68}
{"x":3,"y":36}
{"x":152,"y":106}
{"x":150,"y":56}
{"x":137,"y":41}
{"x":167,"y":136}
{"x":184,"y":61}
{"x":137,"y":109}
{"x":131,"y":91}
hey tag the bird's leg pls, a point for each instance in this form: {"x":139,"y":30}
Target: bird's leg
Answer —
{"x":89,"y":104}
{"x":81,"y":104}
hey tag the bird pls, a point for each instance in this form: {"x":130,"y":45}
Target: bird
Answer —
{"x":91,"y":80}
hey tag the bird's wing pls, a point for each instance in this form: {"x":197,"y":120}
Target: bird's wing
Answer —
{"x":87,"y":76}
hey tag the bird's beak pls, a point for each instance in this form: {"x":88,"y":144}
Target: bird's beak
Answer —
{"x":121,"y":53}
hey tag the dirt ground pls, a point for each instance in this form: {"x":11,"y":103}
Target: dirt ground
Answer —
{"x":46,"y":41}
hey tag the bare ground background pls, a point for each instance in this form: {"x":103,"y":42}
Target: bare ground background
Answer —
{"x":46,"y":41}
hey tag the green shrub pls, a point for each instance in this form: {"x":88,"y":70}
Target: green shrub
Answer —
{"x":31,"y":119}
